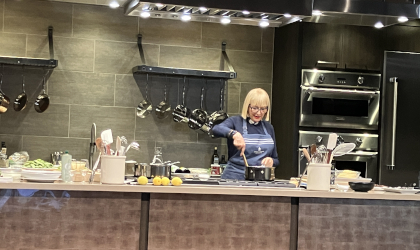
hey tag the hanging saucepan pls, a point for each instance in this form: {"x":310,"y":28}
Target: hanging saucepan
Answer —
{"x":145,"y":107}
{"x":219,"y":116}
{"x":164,"y":108}
{"x":42,"y":101}
{"x":198,"y":117}
{"x":22,"y":99}
{"x":4,"y":100}
{"x":181,"y":113}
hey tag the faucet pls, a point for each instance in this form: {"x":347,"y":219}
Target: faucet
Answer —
{"x":92,"y":145}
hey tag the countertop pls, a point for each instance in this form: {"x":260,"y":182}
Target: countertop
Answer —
{"x":211,"y":189}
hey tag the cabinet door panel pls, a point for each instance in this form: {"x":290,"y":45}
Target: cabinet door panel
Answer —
{"x":363,"y":47}
{"x":403,"y":38}
{"x":321,"y":42}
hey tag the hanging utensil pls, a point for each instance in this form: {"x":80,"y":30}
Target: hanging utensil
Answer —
{"x":22,"y":99}
{"x":332,"y":142}
{"x":181,"y":113}
{"x":42,"y":101}
{"x":219,"y":116}
{"x":342,"y":149}
{"x":145,"y":107}
{"x":164,"y":108}
{"x":4,"y":100}
{"x":198,"y":117}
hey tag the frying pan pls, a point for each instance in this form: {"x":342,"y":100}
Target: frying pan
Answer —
{"x":22,"y":99}
{"x":4,"y":100}
{"x":163,"y":108}
{"x":198,"y":117}
{"x":181,"y":113}
{"x":145,"y":107}
{"x":42,"y":101}
{"x":219,"y":116}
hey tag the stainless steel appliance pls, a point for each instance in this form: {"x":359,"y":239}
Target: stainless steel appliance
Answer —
{"x":335,"y":99}
{"x":400,"y":121}
{"x":363,"y":158}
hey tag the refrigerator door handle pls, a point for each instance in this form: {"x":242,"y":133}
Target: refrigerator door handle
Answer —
{"x":394,"y":122}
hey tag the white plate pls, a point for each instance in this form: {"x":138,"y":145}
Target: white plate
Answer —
{"x":401,"y":190}
{"x":42,"y":179}
{"x":41,"y":176}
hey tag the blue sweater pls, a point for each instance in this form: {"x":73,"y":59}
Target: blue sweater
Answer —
{"x":235,"y":123}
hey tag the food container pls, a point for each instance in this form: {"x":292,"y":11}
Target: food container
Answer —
{"x":319,"y":177}
{"x":112,"y":169}
{"x":78,"y":177}
{"x":260,"y":173}
{"x":216,"y":170}
{"x":78,"y":165}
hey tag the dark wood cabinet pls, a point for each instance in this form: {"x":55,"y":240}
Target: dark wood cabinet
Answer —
{"x":403,"y":38}
{"x":321,"y":42}
{"x":352,"y":47}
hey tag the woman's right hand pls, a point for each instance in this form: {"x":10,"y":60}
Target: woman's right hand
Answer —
{"x":239,"y":142}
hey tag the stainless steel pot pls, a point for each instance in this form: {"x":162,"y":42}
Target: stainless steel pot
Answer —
{"x":160,"y":170}
{"x":260,"y":173}
{"x":142,"y":169}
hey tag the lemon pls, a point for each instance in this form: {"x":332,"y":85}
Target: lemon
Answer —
{"x":157,"y":181}
{"x":165,"y":181}
{"x":176,"y":181}
{"x":142,"y":180}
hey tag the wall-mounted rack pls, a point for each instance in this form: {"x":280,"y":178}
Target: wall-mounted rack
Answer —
{"x":144,"y":69}
{"x":34,"y":62}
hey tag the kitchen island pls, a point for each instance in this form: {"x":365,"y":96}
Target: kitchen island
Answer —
{"x":77,"y":216}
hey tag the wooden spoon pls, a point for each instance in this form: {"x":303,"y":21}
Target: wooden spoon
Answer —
{"x":246,"y":162}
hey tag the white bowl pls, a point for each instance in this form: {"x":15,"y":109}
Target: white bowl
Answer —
{"x":203,"y":177}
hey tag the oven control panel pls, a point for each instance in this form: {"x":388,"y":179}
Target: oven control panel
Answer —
{"x":340,"y":79}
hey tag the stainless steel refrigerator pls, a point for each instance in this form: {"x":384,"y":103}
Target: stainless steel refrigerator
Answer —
{"x":400,"y":119}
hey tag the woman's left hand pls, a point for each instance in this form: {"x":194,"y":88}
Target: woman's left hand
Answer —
{"x":267,"y":161}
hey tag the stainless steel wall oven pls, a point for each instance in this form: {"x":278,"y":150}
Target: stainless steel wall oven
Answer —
{"x":336,"y":99}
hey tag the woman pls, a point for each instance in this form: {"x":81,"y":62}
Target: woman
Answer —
{"x":249,"y":134}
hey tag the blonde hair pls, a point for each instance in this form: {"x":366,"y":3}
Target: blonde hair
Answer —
{"x":258,"y":97}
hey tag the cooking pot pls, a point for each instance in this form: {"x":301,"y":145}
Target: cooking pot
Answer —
{"x":160,"y":170}
{"x":142,"y":169}
{"x":259,"y":173}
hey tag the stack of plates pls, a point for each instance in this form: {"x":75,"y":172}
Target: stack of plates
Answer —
{"x":40,"y":175}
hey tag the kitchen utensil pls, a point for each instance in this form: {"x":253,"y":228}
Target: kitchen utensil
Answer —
{"x":107,"y":140}
{"x":42,"y":101}
{"x":145,"y":107}
{"x":245,"y":161}
{"x":361,"y":186}
{"x":219,"y":116}
{"x":259,"y":173}
{"x":163,"y":108}
{"x":342,"y":149}
{"x":98,"y":143}
{"x":118,"y":145}
{"x":313,"y":149}
{"x":4,"y":100}
{"x":112,"y":169}
{"x":309,"y":158}
{"x":22,"y":99}
{"x":134,"y":145}
{"x":92,"y":145}
{"x":332,"y":142}
{"x":198,"y":117}
{"x":181,"y":113}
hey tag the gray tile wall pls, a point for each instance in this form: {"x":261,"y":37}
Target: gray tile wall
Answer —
{"x":97,"y":47}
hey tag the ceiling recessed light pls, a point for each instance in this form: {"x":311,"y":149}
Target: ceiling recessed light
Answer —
{"x":186,"y":17}
{"x":225,"y":20}
{"x":287,"y":15}
{"x":159,"y":5}
{"x":379,"y":25}
{"x":316,"y":13}
{"x":264,"y":23}
{"x":203,"y":9}
{"x":114,"y":4}
{"x":402,"y":19}
{"x":145,"y":14}
{"x":245,"y":12}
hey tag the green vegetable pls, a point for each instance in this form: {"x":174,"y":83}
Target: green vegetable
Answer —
{"x":38,"y":163}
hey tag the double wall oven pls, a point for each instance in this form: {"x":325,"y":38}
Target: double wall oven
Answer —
{"x":346,"y":103}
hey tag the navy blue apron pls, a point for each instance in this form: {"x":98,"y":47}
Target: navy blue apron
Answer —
{"x":257,"y":147}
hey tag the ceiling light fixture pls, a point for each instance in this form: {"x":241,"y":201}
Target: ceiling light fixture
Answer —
{"x":145,"y":14}
{"x":114,"y":4}
{"x":379,"y":25}
{"x":159,"y":5}
{"x":402,"y":19}
{"x":225,"y":20}
{"x":287,"y":15}
{"x":316,"y":13}
{"x":245,"y":12}
{"x":186,"y":17}
{"x":264,"y":23}
{"x":203,"y":9}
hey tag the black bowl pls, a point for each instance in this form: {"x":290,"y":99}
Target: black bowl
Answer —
{"x":362,"y":186}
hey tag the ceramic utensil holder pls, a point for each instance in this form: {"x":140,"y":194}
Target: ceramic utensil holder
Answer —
{"x":112,"y":169}
{"x":319,"y":177}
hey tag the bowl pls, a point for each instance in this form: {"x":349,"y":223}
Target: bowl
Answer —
{"x":362,"y":186}
{"x":203,"y":177}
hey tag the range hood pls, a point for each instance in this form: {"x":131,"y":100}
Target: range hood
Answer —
{"x":362,"y":12}
{"x":266,"y":13}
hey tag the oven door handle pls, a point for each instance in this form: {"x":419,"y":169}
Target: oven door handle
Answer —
{"x":362,"y":153}
{"x":343,"y":91}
